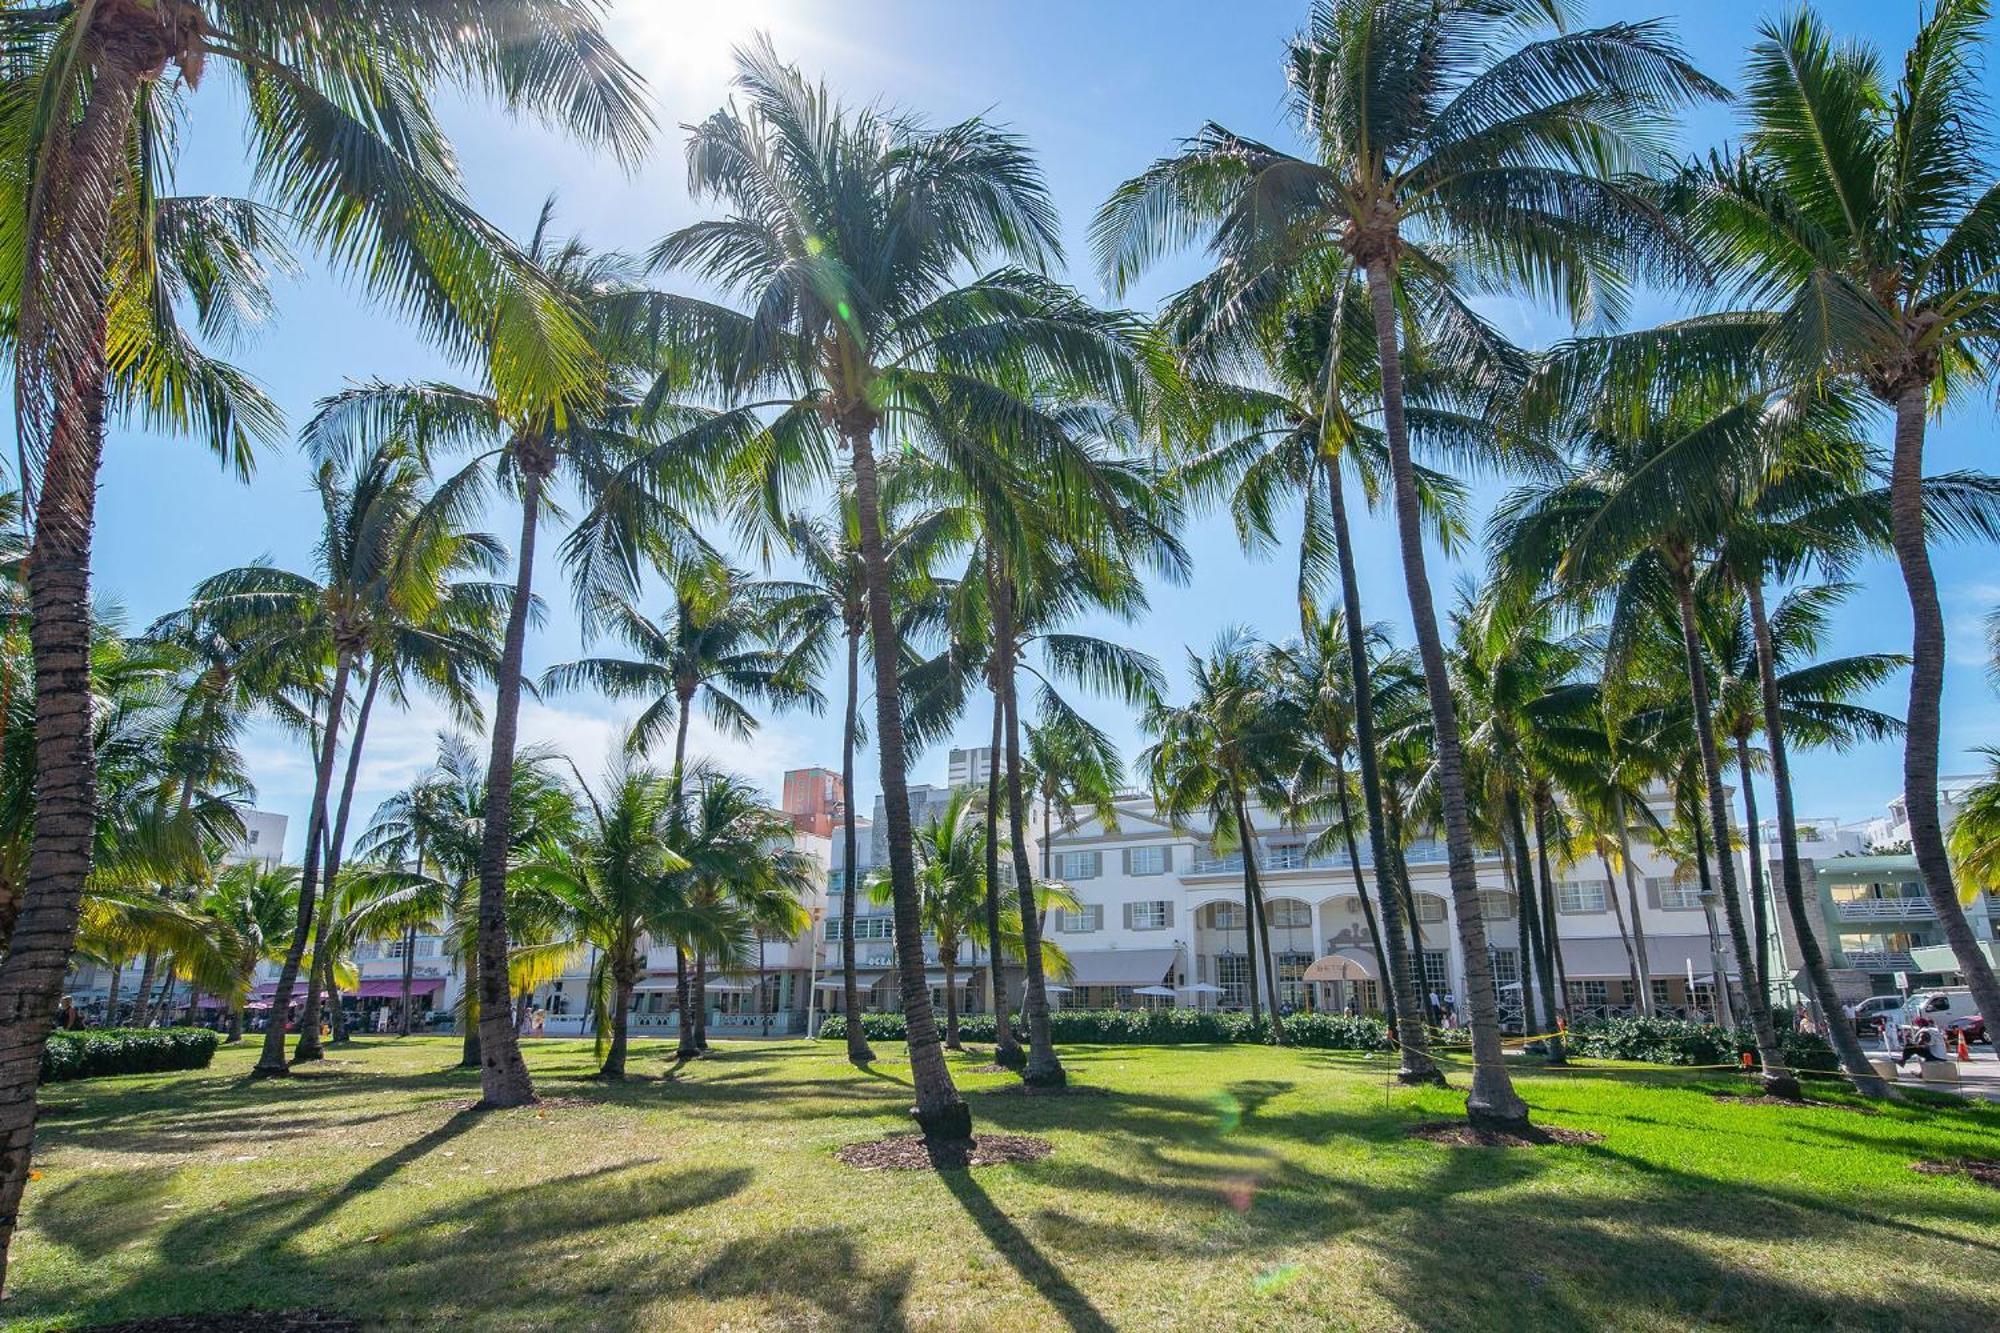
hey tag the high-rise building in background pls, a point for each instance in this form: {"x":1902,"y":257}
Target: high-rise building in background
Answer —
{"x":969,"y":768}
{"x":813,"y":800}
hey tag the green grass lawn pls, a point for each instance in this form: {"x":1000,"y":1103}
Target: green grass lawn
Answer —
{"x":1193,"y":1187}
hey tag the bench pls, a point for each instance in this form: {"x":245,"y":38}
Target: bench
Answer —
{"x":1883,"y":1069}
{"x":1940,"y":1071}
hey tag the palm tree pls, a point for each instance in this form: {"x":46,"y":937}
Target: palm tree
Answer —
{"x":259,"y":904}
{"x":1815,"y":708}
{"x":951,"y":873}
{"x":342,"y":132}
{"x":1445,"y":144}
{"x":636,"y":488}
{"x":385,"y":607}
{"x":1975,"y":834}
{"x":831,"y":602}
{"x":1866,"y":215}
{"x":1227,"y":747}
{"x":743,"y":881}
{"x":613,"y":877}
{"x":863,"y":326}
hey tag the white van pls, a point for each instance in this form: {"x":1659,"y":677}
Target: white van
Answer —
{"x":1938,"y":1006}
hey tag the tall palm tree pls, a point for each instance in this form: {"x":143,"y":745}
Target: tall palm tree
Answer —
{"x":636,"y":488}
{"x":613,"y":879}
{"x":1453,"y":140}
{"x":259,"y":904}
{"x":386,"y":607}
{"x":849,"y":233}
{"x":1862,"y":219}
{"x":341,"y":129}
{"x":1225,"y":749}
{"x":832,"y":603}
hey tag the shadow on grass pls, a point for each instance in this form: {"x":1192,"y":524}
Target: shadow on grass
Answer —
{"x":1070,"y":1304}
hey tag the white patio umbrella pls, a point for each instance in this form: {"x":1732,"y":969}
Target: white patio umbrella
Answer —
{"x":1167,"y":991}
{"x":1201,"y":988}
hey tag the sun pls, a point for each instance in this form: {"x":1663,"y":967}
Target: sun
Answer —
{"x":684,"y":47}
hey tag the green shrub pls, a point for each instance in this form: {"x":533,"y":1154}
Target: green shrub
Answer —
{"x":1158,"y":1027}
{"x":104,"y":1052}
{"x":1672,"y":1041}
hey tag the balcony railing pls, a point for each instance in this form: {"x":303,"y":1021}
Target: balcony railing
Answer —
{"x":1879,"y":960}
{"x":1290,"y":856}
{"x":1884,"y":909}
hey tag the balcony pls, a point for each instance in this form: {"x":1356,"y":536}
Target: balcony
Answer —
{"x":1879,"y":960}
{"x":1885,"y":909}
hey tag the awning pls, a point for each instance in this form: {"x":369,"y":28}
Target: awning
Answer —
{"x":1201,"y":988}
{"x":1122,"y":967}
{"x":383,"y":988}
{"x":1939,"y":957}
{"x":729,"y":984}
{"x":1604,"y":958}
{"x":1341,"y":967}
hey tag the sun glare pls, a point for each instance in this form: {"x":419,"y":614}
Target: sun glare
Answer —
{"x":684,"y":47}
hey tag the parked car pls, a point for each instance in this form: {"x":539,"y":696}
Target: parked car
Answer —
{"x":1941,"y":1007}
{"x":1972,"y":1025}
{"x":1868,"y":1015}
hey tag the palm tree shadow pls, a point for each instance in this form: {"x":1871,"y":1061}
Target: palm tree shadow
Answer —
{"x":1034,"y":1267}
{"x":884,"y":1075}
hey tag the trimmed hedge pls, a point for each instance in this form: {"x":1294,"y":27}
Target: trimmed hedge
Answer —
{"x":1161,"y":1027}
{"x":1672,"y":1041}
{"x":105,"y":1052}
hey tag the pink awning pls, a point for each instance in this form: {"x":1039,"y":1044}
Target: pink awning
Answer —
{"x":385,"y":988}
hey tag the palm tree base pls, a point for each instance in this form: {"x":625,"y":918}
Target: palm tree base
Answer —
{"x":270,"y":1071}
{"x":949,"y":1123}
{"x":861,"y":1055}
{"x":1053,"y":1076}
{"x":1486,"y":1122}
{"x":1430,"y":1077}
{"x":1784,"y":1087}
{"x":505,"y":1102}
{"x":1010,"y":1056}
{"x":307,"y":1054}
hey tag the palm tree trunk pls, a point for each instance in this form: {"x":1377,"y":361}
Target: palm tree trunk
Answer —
{"x":621,"y":1023}
{"x":1624,"y":933}
{"x":698,"y":1001}
{"x":1812,"y":959}
{"x":1007,"y":1050}
{"x":1259,"y":938}
{"x":1493,"y":1100}
{"x":503,"y":1075}
{"x":111,"y":993}
{"x":1555,"y":975}
{"x":1922,"y":723}
{"x":1361,"y":884}
{"x":1645,"y":973}
{"x":72,"y":250}
{"x":1778,"y":1080}
{"x":1534,"y":948}
{"x":950,"y":964}
{"x":684,"y":1046}
{"x":1524,"y":968}
{"x":334,"y":851}
{"x":468,"y":1046}
{"x":271,"y":1061}
{"x":1412,"y":1041}
{"x":1251,"y":949}
{"x":858,"y":1051}
{"x":142,"y":1005}
{"x":409,"y":973}
{"x":939,"y":1112}
{"x":1724,"y":1015}
{"x":1760,"y":918}
{"x":1043,"y":1069}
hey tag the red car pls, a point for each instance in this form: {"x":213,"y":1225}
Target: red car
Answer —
{"x":1972,"y":1025}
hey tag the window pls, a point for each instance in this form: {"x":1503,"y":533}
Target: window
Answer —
{"x":392,"y":948}
{"x":1225,"y":916}
{"x":1232,"y":973}
{"x":1506,"y":968}
{"x":1290,"y":914}
{"x":1430,"y":908}
{"x":865,"y":928}
{"x":1080,"y":922}
{"x":1676,"y":893}
{"x":1495,"y":905}
{"x":1437,"y":969}
{"x":1156,"y":915}
{"x":1291,"y":978}
{"x":1147,"y":860}
{"x":1589,"y":995}
{"x":1661,"y":998}
{"x":1587,"y":895}
{"x":1079,"y":865}
{"x":251,"y":837}
{"x":1285,"y":856}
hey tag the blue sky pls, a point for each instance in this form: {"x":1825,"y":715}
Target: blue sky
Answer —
{"x":1100,"y":90}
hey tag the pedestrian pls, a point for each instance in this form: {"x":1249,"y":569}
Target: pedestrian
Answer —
{"x":1353,"y":1006}
{"x":1436,"y":1008}
{"x":70,"y":1019}
{"x":1450,"y":1010}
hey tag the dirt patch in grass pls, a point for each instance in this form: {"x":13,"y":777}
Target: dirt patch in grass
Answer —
{"x":1030,"y":1090}
{"x":995,"y":1069}
{"x":1985,"y":1170}
{"x":1460,"y":1134}
{"x":250,"y":1321}
{"x":1765,"y":1099}
{"x":539,"y":1104}
{"x":912,"y":1152}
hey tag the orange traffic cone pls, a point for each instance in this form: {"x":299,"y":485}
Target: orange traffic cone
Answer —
{"x":1964,"y":1053}
{"x":1746,"y":1059}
